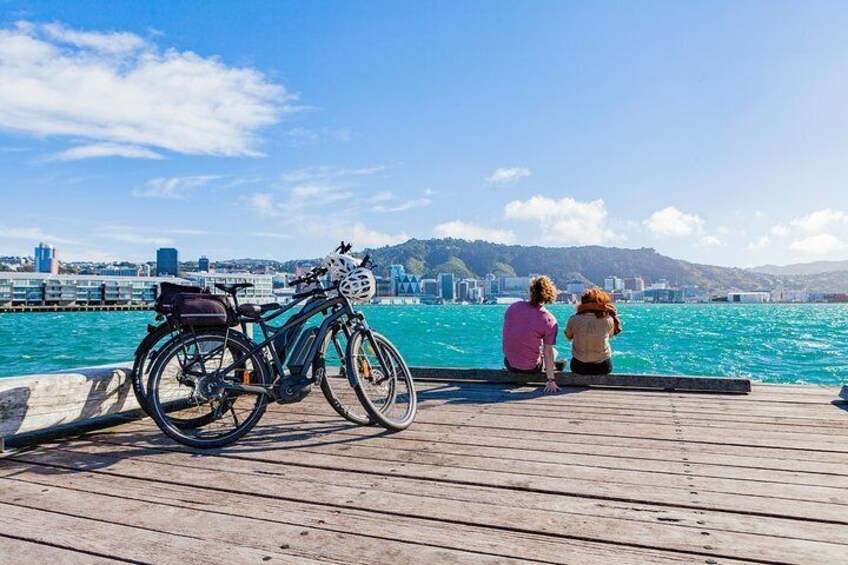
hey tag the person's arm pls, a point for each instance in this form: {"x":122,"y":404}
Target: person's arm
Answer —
{"x":569,"y":331}
{"x":548,"y":360}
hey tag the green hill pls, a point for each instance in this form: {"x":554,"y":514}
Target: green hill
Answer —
{"x":592,"y":263}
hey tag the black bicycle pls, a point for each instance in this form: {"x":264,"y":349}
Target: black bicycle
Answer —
{"x":209,"y":385}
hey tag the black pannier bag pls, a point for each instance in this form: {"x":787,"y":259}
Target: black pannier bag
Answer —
{"x":167,"y":291}
{"x":194,"y":309}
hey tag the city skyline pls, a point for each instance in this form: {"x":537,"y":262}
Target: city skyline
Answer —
{"x":711,"y":133}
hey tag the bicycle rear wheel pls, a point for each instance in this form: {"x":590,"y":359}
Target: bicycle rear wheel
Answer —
{"x":334,"y":381}
{"x":186,"y":384}
{"x":382,"y":380}
{"x":145,"y":357}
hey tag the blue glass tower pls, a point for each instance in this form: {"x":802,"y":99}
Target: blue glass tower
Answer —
{"x":45,"y":259}
{"x":167,"y":262}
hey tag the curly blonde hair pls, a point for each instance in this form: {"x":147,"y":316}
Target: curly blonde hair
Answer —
{"x":542,"y":291}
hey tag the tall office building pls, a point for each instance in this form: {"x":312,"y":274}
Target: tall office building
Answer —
{"x":167,"y":262}
{"x":447,"y":287}
{"x":613,"y":284}
{"x":203,"y":264}
{"x":45,"y":259}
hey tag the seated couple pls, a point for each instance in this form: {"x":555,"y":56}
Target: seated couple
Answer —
{"x":530,"y":333}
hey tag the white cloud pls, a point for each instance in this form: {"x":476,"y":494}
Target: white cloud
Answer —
{"x":104,"y":150}
{"x":506,"y":175}
{"x":263,"y":204}
{"x":404,"y":206}
{"x":709,"y":241}
{"x":817,"y":245}
{"x":324,"y":172}
{"x":312,"y":194}
{"x":472,"y":232}
{"x":762,"y":243}
{"x":780,"y":230}
{"x":357,"y":234}
{"x":672,"y":222}
{"x":173,"y":187}
{"x":819,"y":221}
{"x":128,"y":237}
{"x":565,"y":221}
{"x":120,"y":95}
{"x":34,"y":234}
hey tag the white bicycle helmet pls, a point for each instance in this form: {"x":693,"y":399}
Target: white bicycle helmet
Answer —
{"x":358,"y":285}
{"x":339,"y":265}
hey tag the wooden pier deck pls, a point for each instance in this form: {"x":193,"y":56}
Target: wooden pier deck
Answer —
{"x":487,"y":474}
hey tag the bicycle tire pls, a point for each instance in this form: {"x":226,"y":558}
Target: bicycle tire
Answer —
{"x":335,"y":397}
{"x":180,"y":433}
{"x":140,"y":373}
{"x":381,"y":414}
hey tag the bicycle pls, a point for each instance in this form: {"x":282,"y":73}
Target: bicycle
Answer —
{"x":221,"y":380}
{"x":160,"y":336}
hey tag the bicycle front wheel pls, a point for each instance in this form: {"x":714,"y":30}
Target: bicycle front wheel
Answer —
{"x":332,"y":374}
{"x":381,"y":379}
{"x":186,"y":384}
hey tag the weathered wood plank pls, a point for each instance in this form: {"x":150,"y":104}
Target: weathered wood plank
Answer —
{"x":305,"y":515}
{"x":13,"y":551}
{"x":726,"y":385}
{"x":38,"y":402}
{"x":229,"y":529}
{"x":683,"y":533}
{"x":134,"y":544}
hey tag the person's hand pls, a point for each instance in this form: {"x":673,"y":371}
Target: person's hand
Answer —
{"x":551,"y":386}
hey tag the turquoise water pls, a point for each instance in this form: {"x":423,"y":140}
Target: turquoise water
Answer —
{"x":783,"y":343}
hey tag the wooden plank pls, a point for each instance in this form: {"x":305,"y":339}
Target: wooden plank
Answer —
{"x":417,"y":532}
{"x":759,"y":463}
{"x":488,"y":470}
{"x":134,"y":544}
{"x":20,"y":551}
{"x":725,"y":385}
{"x":231,"y":530}
{"x":683,"y":534}
{"x":622,"y":489}
{"x":39,"y":402}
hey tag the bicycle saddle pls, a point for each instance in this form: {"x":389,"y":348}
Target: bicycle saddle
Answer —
{"x":233,"y":288}
{"x":255,"y":310}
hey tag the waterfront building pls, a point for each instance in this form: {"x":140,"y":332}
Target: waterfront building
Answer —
{"x":575,"y":286}
{"x":429,"y":290}
{"x":490,"y":286}
{"x":115,"y":271}
{"x":613,"y":284}
{"x":203,"y":264}
{"x":469,"y":290}
{"x":45,"y":259}
{"x":407,"y":285}
{"x":749,"y":297}
{"x":45,"y":289}
{"x":634,"y":283}
{"x":516,"y":287}
{"x":663,"y":295}
{"x":262,"y":290}
{"x":396,"y":300}
{"x":167,"y":262}
{"x":385,"y":286}
{"x":661,"y":284}
{"x":447,"y":286}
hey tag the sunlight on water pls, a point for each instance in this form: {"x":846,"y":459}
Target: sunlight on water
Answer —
{"x":773,"y":343}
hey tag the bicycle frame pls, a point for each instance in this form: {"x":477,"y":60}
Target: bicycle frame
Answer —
{"x":338,"y":307}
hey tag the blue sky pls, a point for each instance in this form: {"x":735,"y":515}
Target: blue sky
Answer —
{"x":712,"y":131}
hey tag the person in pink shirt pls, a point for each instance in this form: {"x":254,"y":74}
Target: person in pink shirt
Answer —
{"x":530,"y":332}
